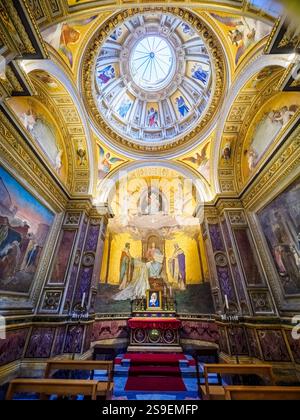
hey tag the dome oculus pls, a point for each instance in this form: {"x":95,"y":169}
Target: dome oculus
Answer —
{"x":152,"y":63}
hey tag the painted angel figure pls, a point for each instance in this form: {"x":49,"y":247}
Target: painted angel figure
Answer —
{"x":200,"y":159}
{"x":245,"y":32}
{"x":105,"y":162}
{"x":64,"y":35}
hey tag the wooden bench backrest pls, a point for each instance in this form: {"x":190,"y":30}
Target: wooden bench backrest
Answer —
{"x":52,"y":387}
{"x":264,"y":371}
{"x":262,"y":393}
{"x":79,"y":365}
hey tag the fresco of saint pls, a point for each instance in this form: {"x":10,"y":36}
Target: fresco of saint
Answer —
{"x":199,"y":74}
{"x":125,"y":267}
{"x":138,"y":286}
{"x":152,"y":118}
{"x":106,"y":74}
{"x":177,"y":267}
{"x":155,"y":260}
{"x":124,"y":108}
{"x":183,"y":109}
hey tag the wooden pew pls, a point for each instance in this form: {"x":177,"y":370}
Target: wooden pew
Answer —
{"x":262,"y":393}
{"x":216,"y":392}
{"x":60,"y":387}
{"x":104,"y":388}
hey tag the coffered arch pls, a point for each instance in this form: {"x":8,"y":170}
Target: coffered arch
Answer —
{"x":76,"y":128}
{"x":243,"y":99}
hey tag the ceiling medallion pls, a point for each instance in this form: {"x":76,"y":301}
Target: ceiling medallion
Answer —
{"x":156,"y":79}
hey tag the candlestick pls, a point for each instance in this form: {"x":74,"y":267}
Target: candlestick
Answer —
{"x":226,"y":302}
{"x":83,"y":300}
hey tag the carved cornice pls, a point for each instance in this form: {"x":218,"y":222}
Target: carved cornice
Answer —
{"x":80,"y":205}
{"x":62,"y":106}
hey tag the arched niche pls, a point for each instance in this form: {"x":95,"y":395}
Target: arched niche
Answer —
{"x":245,"y":98}
{"x":77,"y":130}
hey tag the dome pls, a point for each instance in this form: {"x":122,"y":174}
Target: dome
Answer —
{"x":153,"y":78}
{"x":156,"y":81}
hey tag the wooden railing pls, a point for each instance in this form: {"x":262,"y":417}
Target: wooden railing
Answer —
{"x":218,"y":392}
{"x":261,"y":393}
{"x":47,"y":387}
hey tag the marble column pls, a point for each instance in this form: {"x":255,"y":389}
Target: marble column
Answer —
{"x":75,"y":273}
{"x":236,"y":270}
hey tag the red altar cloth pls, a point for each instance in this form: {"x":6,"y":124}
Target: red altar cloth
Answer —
{"x":157,"y":323}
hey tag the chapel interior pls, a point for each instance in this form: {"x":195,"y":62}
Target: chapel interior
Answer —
{"x":149,"y":200}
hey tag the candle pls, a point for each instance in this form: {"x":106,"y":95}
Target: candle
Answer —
{"x":165,"y":291}
{"x":83,"y":300}
{"x":226,"y":302}
{"x":170,"y":291}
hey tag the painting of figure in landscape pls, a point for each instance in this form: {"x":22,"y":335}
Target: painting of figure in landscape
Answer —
{"x":280,"y":222}
{"x":24,"y":227}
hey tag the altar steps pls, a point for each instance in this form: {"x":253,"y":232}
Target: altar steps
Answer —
{"x":142,"y":375}
{"x":155,"y":364}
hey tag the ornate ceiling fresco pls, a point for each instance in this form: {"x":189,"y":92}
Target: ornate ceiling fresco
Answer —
{"x":155,"y":81}
{"x":191,"y":86}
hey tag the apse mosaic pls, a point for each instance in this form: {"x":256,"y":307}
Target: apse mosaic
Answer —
{"x":243,"y":33}
{"x":153,"y":78}
{"x":155,"y":243}
{"x":24,"y":227}
{"x":280,"y":223}
{"x":41,"y":126}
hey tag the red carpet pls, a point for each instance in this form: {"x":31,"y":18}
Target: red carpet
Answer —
{"x":154,"y":359}
{"x":158,"y":372}
{"x":154,"y":383}
{"x":154,"y":370}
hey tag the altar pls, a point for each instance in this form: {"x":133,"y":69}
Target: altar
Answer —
{"x":154,"y":325}
{"x":154,"y":334}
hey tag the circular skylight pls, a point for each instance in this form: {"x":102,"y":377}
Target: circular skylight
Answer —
{"x":153,"y":81}
{"x":152,"y":63}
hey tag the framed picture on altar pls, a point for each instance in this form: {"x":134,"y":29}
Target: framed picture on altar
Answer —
{"x":154,"y":300}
